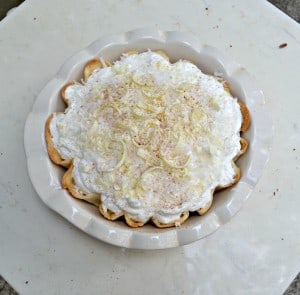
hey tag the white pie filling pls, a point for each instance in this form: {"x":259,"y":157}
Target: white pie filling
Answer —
{"x":154,"y":139}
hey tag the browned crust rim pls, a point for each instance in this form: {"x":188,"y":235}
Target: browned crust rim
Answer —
{"x":204,"y":209}
{"x":132,"y":222}
{"x":183,"y":217}
{"x":69,"y":184}
{"x":68,"y":181}
{"x":52,"y":152}
{"x":246,"y":116}
{"x":93,"y":65}
{"x":235,"y":180}
{"x":108,"y":214}
{"x":63,"y":92}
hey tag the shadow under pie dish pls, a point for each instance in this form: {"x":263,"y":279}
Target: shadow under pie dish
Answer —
{"x":147,"y":139}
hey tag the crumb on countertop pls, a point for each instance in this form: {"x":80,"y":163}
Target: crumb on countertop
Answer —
{"x":282,"y":45}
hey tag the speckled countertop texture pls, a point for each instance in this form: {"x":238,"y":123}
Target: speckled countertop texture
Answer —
{"x":290,"y":7}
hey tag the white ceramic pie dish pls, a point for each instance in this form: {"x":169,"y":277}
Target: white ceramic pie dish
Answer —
{"x":46,"y":176}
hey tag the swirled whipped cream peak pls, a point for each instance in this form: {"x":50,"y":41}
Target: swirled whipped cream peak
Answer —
{"x":153,"y":138}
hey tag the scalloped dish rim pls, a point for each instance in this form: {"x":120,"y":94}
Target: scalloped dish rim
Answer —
{"x":45,"y":176}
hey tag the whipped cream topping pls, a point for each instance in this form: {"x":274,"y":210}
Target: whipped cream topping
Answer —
{"x":151,"y":137}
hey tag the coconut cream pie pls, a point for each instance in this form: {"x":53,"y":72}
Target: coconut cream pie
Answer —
{"x":147,"y":139}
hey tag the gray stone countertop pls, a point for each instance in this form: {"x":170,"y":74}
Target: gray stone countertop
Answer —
{"x":290,"y":7}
